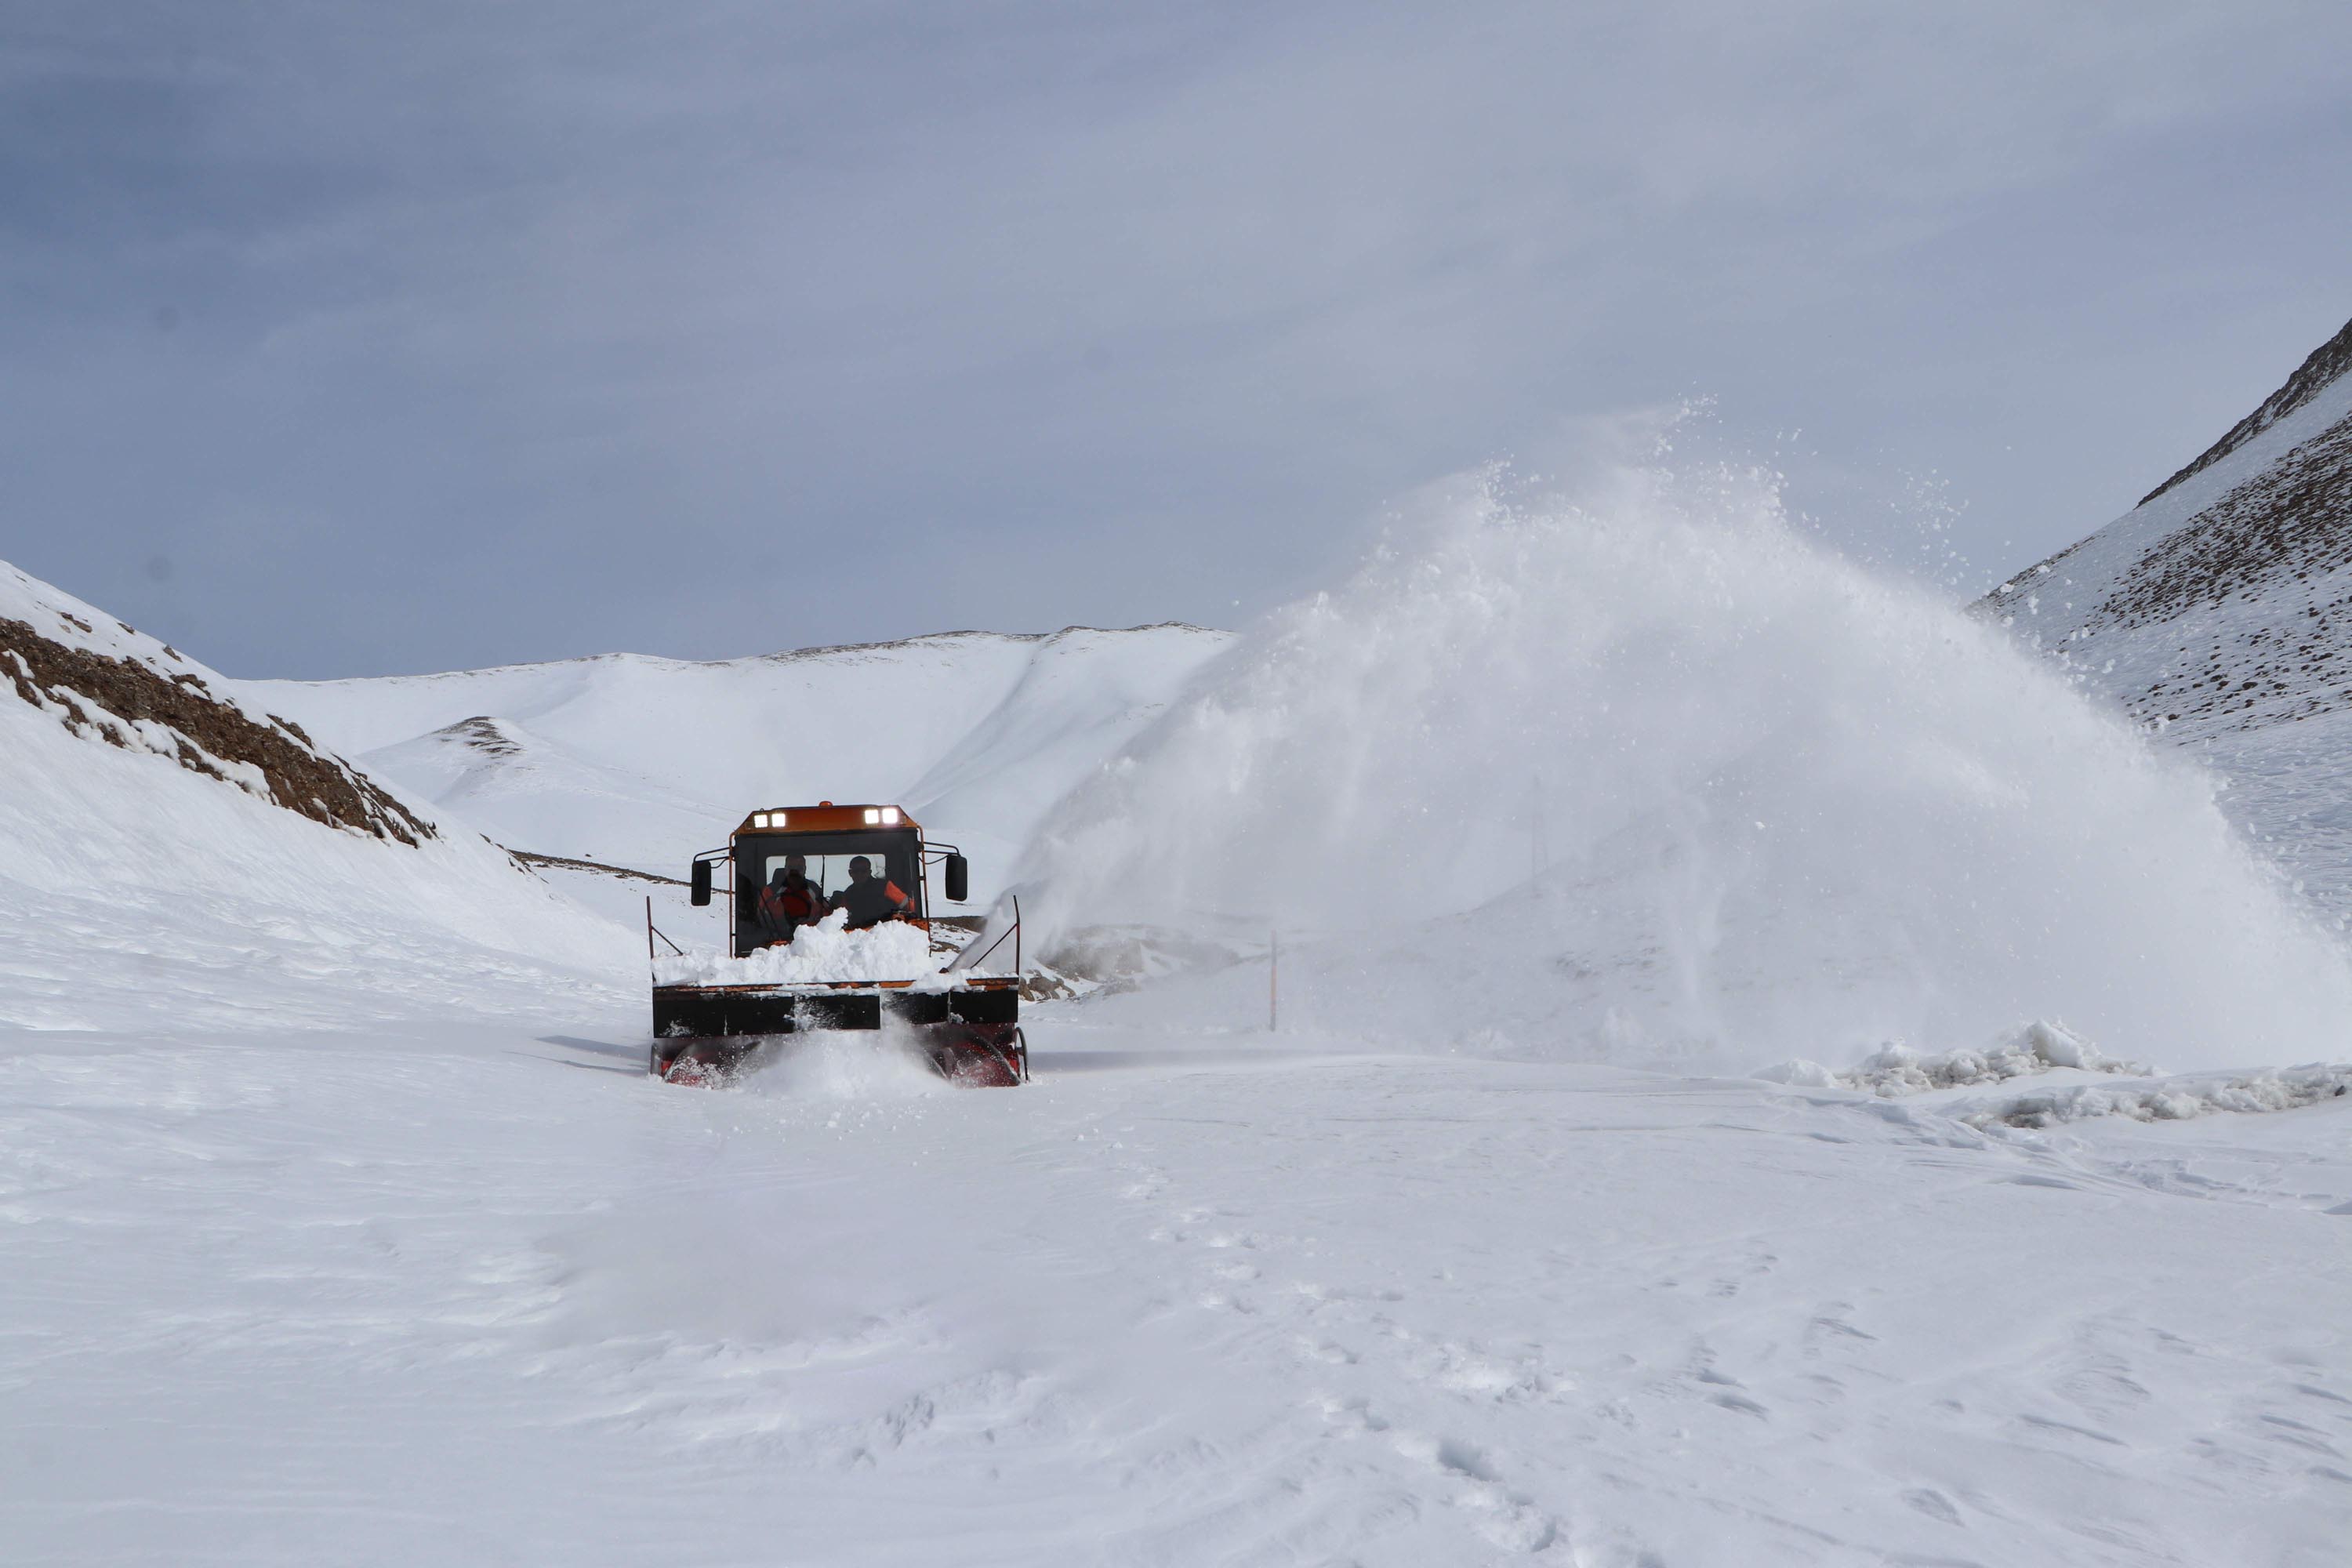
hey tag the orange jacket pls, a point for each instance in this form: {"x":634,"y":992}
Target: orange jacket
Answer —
{"x":875,"y":899}
{"x":783,"y":904}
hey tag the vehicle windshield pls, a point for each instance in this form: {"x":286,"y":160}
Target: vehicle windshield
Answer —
{"x":893,"y":854}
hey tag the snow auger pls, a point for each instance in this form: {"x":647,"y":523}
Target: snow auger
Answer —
{"x":967,"y":1024}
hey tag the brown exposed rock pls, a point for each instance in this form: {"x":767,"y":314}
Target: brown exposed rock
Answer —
{"x":105,"y":696}
{"x":481,"y":733}
{"x":2295,"y":517}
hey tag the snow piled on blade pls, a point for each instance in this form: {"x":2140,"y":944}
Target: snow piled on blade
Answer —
{"x":1653,"y":779}
{"x":824,"y":952}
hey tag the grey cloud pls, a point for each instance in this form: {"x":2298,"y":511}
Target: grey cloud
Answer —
{"x":447,"y":334}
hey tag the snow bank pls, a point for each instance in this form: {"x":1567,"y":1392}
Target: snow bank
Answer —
{"x":1895,"y":1069}
{"x":826,"y":951}
{"x":1651,"y":778}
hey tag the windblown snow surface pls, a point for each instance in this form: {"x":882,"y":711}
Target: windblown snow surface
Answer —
{"x":1569,"y":821}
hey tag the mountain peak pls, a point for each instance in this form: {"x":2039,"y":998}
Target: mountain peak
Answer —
{"x":2327,"y":365}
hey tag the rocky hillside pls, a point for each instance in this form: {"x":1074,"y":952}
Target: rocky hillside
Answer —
{"x":162,"y":835}
{"x":104,"y":681}
{"x":2219,"y":612}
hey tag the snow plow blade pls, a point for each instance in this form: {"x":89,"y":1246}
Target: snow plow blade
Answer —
{"x":971,"y":1033}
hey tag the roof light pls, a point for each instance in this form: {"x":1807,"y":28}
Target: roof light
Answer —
{"x":759,"y":819}
{"x":775,"y":819}
{"x":872,"y":816}
{"x":891,"y":815}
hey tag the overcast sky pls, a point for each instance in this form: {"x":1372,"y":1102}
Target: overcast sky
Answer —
{"x":342,"y":339}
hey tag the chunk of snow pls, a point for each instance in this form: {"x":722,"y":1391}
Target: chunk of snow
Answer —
{"x":2168,"y":1099}
{"x":1896,"y":1069}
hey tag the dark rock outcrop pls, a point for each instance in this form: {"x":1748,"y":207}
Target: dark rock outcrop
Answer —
{"x":131,"y":704}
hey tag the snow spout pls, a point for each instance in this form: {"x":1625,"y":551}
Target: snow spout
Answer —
{"x":1649,"y":777}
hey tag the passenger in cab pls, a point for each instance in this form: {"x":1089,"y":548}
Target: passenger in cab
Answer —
{"x":790,"y":901}
{"x":870,"y":900}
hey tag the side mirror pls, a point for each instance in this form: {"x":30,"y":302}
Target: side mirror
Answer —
{"x":702,"y":894}
{"x":959,"y":878}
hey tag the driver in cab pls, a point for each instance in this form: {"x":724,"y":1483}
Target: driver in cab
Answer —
{"x":790,"y":901}
{"x":870,"y":900}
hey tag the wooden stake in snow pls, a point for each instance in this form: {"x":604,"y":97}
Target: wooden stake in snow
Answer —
{"x":1272,"y":980}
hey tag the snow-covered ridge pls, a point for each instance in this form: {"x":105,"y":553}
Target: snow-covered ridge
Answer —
{"x":2328,"y":362}
{"x":631,"y":759}
{"x":106,"y":682}
{"x":2252,"y":508}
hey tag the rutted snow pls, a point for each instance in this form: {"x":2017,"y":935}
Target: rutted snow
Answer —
{"x":1166,"y":1305}
{"x":823,"y":952}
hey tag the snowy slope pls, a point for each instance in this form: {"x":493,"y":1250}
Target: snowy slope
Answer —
{"x":168,"y":849}
{"x":2219,"y":612}
{"x":642,"y":761}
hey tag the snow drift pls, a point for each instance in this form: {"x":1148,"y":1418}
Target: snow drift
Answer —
{"x":1651,"y":778}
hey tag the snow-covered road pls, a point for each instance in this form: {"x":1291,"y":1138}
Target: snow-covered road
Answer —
{"x":495,"y":1297}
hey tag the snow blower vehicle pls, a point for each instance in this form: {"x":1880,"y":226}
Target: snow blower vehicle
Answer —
{"x":830,"y":928}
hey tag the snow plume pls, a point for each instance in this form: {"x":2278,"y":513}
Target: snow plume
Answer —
{"x":1651,"y":778}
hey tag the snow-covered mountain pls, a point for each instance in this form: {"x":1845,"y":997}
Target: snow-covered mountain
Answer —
{"x":642,"y":761}
{"x":2219,"y":613}
{"x":170,"y":847}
